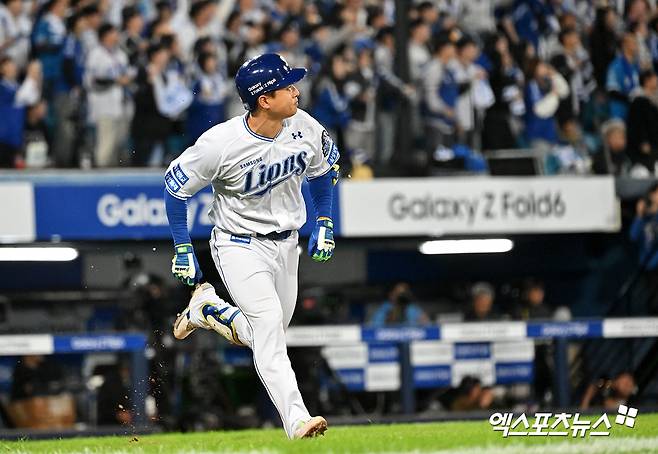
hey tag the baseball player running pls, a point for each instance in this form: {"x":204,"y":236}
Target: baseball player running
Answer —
{"x":256,"y":164}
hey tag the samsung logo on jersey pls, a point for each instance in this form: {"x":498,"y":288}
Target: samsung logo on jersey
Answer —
{"x":244,"y":165}
{"x":260,"y":180}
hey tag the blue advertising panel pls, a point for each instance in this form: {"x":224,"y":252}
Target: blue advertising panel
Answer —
{"x":99,"y":343}
{"x":353,"y":379}
{"x":514,"y":372}
{"x":125,"y":209}
{"x":432,"y":376}
{"x":400,"y":333}
{"x":103,"y":212}
{"x":570,"y":329}
{"x":383,"y":353}
{"x":473,"y":350}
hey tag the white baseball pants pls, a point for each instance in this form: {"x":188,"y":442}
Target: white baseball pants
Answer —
{"x":261,"y":277}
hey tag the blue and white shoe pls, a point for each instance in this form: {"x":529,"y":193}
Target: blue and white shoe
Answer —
{"x":207,"y":311}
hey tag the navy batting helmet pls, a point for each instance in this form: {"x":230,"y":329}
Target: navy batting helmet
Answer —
{"x":263,"y":74}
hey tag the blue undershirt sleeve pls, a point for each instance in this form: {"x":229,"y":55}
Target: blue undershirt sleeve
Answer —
{"x":322,"y":194}
{"x":177,"y":215}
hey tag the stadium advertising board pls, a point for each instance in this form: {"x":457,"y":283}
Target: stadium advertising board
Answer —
{"x":436,"y":207}
{"x":376,"y":367}
{"x":16,"y":202}
{"x":124,"y":210}
{"x":32,"y":344}
{"x":126,"y":207}
{"x":112,"y":212}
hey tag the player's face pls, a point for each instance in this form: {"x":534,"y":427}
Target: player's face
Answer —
{"x":283,"y":102}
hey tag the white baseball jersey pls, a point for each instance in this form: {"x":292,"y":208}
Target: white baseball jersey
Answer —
{"x":257,"y":186}
{"x":256,"y":180}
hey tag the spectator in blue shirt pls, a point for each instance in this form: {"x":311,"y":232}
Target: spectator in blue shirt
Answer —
{"x":543,"y":92}
{"x":331,"y":103}
{"x":210,"y":89}
{"x":532,"y":19}
{"x":13,"y":100}
{"x":48,"y":38}
{"x":315,"y":45}
{"x":623,"y":77}
{"x":399,"y":309}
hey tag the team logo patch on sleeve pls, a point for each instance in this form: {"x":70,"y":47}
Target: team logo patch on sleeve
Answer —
{"x":180,"y":175}
{"x":171,"y":182}
{"x":327,"y":143}
{"x":329,"y":148}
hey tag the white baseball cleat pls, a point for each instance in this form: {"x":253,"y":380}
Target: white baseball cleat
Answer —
{"x":207,"y":311}
{"x":314,"y":427}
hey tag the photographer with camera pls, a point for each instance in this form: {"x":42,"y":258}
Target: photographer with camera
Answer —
{"x":644,"y":231}
{"x":610,"y":393}
{"x":399,"y":309}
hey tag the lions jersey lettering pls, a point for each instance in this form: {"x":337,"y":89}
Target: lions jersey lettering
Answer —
{"x":256,"y":180}
{"x":277,"y":173}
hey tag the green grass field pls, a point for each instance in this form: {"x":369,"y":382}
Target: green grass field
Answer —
{"x":454,"y":437}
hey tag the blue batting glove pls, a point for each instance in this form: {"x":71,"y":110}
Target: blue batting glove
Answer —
{"x":185,"y":266}
{"x":321,"y":243}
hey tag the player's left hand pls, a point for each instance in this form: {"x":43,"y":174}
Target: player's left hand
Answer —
{"x":185,"y":266}
{"x":321,"y":243}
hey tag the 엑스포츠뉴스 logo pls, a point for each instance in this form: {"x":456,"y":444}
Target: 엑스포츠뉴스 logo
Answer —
{"x":560,"y":424}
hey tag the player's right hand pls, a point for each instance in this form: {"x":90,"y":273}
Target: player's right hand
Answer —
{"x":185,"y":266}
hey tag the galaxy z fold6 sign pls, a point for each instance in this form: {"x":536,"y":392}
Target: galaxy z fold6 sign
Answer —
{"x":404,"y":207}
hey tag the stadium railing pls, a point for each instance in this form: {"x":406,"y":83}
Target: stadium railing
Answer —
{"x":390,"y":358}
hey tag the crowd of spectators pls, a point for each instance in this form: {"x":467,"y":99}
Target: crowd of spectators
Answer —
{"x":518,"y":302}
{"x":104,"y":83}
{"x":525,"y":302}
